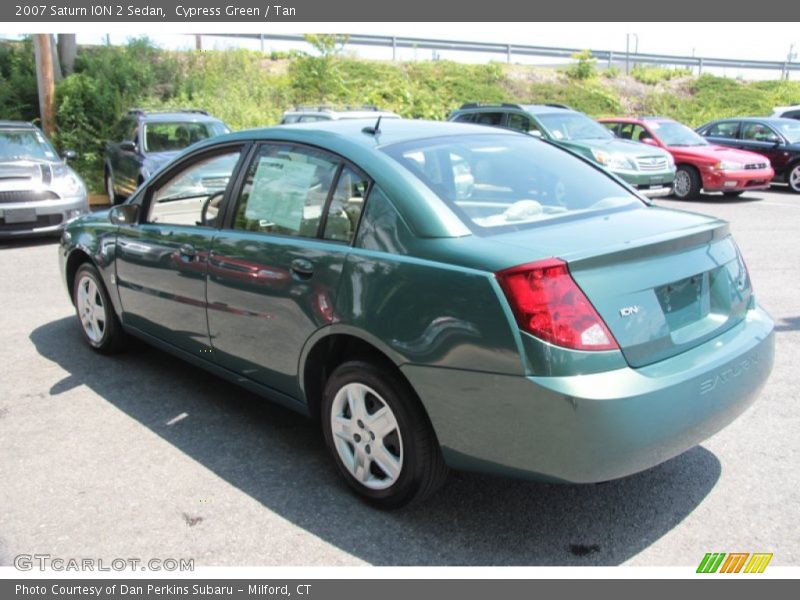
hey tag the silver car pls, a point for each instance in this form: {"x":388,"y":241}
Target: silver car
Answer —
{"x":39,"y":192}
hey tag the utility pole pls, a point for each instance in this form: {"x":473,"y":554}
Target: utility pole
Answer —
{"x":198,"y":42}
{"x":44,"y":78}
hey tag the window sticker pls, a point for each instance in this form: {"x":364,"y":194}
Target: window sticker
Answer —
{"x":279,"y":192}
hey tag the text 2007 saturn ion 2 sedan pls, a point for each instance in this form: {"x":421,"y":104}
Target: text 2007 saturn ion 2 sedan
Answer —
{"x":437,"y":294}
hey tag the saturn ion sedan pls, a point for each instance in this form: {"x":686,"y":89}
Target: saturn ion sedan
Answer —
{"x":544,"y":321}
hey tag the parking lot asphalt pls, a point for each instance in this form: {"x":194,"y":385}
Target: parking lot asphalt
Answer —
{"x":141,"y":455}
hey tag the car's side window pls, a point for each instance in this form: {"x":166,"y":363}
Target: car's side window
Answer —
{"x":489,"y":118}
{"x":193,"y":196}
{"x":285,"y":190}
{"x":613,"y":128}
{"x":465,"y":118}
{"x":726,"y":129}
{"x":626,"y":131}
{"x":519,"y":122}
{"x":758,"y":132}
{"x":346,"y":205}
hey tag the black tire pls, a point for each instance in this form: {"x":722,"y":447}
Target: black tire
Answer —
{"x":732,"y":194}
{"x":793,"y":178}
{"x":687,"y":183}
{"x":413,"y":443}
{"x":103,"y":331}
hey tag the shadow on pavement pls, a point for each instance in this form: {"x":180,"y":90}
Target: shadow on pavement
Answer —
{"x":278,"y":458}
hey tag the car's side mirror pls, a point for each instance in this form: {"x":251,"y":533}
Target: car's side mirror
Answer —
{"x":128,"y":146}
{"x":124,"y":214}
{"x":649,"y":141}
{"x":69,"y":155}
{"x":777,"y":143}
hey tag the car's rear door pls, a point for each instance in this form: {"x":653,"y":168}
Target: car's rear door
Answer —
{"x":724,"y":133}
{"x":273,"y":271}
{"x":161,"y":261}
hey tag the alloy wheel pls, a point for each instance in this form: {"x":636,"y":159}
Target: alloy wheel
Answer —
{"x":366,"y":436}
{"x":91,"y":309}
{"x":794,"y":179}
{"x":683,"y":184}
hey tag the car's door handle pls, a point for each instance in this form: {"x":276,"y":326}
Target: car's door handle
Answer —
{"x":302,"y":267}
{"x":187,"y":250}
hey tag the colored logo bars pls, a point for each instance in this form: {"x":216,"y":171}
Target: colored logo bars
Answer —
{"x":733,"y":562}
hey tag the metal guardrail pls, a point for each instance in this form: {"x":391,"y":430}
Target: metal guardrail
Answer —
{"x":511,"y":50}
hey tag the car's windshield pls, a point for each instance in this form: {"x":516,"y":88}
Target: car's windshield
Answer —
{"x":675,"y":134}
{"x":791,"y":131}
{"x":573,"y":126}
{"x":168,"y":136}
{"x":497,"y":181}
{"x":17,"y":144}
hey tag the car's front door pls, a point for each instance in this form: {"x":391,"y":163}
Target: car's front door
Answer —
{"x":161,"y":261}
{"x":762,"y":139}
{"x":274,"y":270}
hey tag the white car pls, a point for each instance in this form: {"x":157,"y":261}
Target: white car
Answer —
{"x":310,"y":114}
{"x":787,"y":112}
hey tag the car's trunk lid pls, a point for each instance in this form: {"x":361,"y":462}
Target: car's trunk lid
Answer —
{"x":663,"y":281}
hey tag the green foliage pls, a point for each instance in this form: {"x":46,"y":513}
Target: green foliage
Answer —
{"x":79,"y":99}
{"x":320,"y":76}
{"x":19,"y":100}
{"x":612,"y":72}
{"x":651,"y":75}
{"x":591,"y":97}
{"x":584,"y":67}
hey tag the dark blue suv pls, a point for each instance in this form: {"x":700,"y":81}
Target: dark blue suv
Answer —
{"x":147,"y":140}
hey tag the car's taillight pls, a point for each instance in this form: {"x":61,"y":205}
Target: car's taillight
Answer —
{"x":549,"y":304}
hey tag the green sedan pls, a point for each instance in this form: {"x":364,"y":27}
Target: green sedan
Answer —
{"x":436,"y":295}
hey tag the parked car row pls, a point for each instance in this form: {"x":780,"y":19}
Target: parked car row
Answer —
{"x":437,"y":294}
{"x":674,"y":161}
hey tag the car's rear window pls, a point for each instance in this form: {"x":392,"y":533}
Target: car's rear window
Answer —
{"x":496,"y":182}
{"x":162,"y":136}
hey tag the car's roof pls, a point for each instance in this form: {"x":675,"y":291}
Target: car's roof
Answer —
{"x":540,"y":109}
{"x":17,"y":125}
{"x":344,"y":114}
{"x":186,"y":117}
{"x":392,"y":131}
{"x":769,"y":120}
{"x":636,"y":120}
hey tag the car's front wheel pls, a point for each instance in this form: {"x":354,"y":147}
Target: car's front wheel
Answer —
{"x":99,"y":323}
{"x":687,"y":183}
{"x":793,"y":178}
{"x":381,"y":440}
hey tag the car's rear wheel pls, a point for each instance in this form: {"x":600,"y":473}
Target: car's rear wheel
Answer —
{"x":793,"y":178}
{"x":99,"y":323}
{"x":381,"y":440}
{"x":687,"y":183}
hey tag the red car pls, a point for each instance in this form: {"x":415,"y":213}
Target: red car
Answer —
{"x":700,"y":165}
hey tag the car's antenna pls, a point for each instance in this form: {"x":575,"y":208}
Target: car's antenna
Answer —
{"x":374,"y":130}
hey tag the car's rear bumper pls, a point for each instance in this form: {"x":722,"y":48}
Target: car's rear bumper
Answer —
{"x":602,"y":426}
{"x":737,"y":181}
{"x":47,"y":217}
